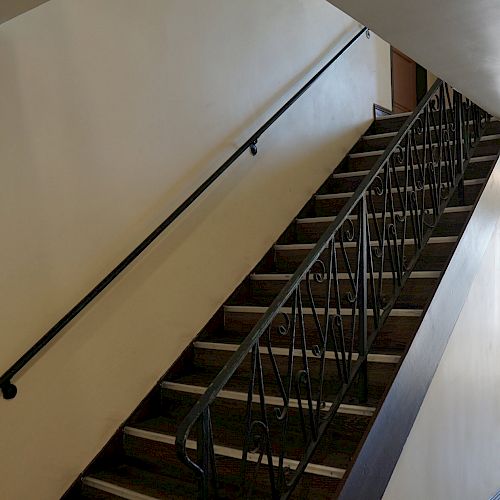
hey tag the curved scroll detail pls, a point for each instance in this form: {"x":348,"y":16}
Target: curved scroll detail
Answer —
{"x":312,"y":345}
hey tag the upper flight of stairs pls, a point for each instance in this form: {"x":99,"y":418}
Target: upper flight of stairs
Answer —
{"x":140,"y":461}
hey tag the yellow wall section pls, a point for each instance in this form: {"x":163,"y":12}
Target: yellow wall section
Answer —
{"x":111,"y":114}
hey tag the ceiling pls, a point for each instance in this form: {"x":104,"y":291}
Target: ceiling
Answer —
{"x":458,"y":40}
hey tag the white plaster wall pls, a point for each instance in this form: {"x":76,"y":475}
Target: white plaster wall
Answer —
{"x":111,"y":113}
{"x":453,"y":448}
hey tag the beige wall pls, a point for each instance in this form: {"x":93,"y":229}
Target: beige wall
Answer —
{"x":111,"y":114}
{"x":453,"y":448}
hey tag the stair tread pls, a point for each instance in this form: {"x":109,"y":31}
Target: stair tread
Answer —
{"x":142,"y":482}
{"x":232,"y":339}
{"x":199,"y":378}
{"x":230,"y":346}
{"x":229,"y":437}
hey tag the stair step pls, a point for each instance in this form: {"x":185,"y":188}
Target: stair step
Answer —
{"x":392,"y":123}
{"x":400,"y":313}
{"x":310,"y":229}
{"x":389,"y":123}
{"x":350,"y":180}
{"x":235,"y":395}
{"x":283,"y":351}
{"x":371,"y":142}
{"x":379,"y":374}
{"x":135,"y":484}
{"x":316,"y":469}
{"x":415,"y":294}
{"x":331,"y":204}
{"x":367,"y":159}
{"x":393,"y":336}
{"x":364,"y":173}
{"x":342,"y":276}
{"x":395,"y":190}
{"x":151,"y":444}
{"x":229,"y":429}
{"x":291,"y":247}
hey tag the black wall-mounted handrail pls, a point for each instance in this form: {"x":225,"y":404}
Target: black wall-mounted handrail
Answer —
{"x":9,"y":390}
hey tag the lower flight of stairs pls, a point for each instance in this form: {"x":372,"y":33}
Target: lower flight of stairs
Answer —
{"x":140,"y":462}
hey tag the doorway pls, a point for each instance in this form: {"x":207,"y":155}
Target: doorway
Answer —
{"x":409,"y":82}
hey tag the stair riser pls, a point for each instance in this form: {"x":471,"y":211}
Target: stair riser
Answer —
{"x":493,"y":127}
{"x":433,"y":258}
{"x":379,"y":374}
{"x":228,"y":424}
{"x":450,"y":224}
{"x":414,"y":295}
{"x":393,"y":337}
{"x":325,"y":207}
{"x":373,"y":143}
{"x":387,"y":125}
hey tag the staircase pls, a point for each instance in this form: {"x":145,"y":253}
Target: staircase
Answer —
{"x":301,"y":383}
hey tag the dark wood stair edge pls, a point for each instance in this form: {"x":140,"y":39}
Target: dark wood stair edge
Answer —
{"x":381,"y":447}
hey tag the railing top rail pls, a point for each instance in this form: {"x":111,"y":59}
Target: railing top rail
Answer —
{"x":9,"y":390}
{"x":265,"y":321}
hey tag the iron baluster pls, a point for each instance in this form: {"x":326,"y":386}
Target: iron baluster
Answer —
{"x":363,"y":300}
{"x":406,"y":191}
{"x":206,"y":458}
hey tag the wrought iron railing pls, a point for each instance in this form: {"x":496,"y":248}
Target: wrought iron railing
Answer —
{"x":8,"y":388}
{"x":382,"y":229}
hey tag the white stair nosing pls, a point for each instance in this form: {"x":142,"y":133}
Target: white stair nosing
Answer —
{"x":284,"y":351}
{"x":114,"y":489}
{"x":378,"y":215}
{"x":401,"y":313}
{"x":341,"y":276}
{"x":479,"y":159}
{"x":225,"y":451}
{"x":383,"y":135}
{"x":490,"y":137}
{"x":353,"y":244}
{"x":366,"y":154}
{"x":366,"y":411}
{"x":395,"y":115}
{"x":394,"y":190}
{"x":356,"y":173}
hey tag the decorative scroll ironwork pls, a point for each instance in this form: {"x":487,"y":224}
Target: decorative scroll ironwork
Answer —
{"x":380,"y":232}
